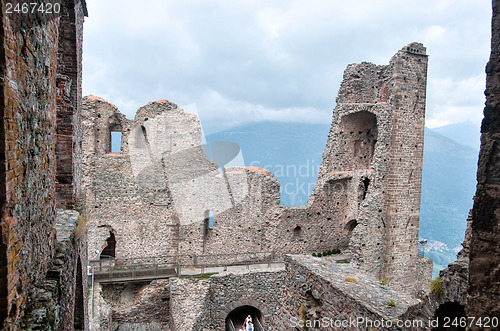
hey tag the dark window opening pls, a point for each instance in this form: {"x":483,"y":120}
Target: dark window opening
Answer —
{"x":79,"y":311}
{"x":452,"y":311}
{"x":109,"y":249}
{"x":363,"y":188}
{"x":144,"y":133}
{"x":116,"y":142}
{"x":208,"y":226}
{"x":297,"y":232}
{"x":236,"y":318}
{"x":349,"y":227}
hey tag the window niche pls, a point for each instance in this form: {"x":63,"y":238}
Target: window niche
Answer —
{"x":298,"y":232}
{"x":109,"y":250}
{"x":114,"y":139}
{"x":357,"y":139}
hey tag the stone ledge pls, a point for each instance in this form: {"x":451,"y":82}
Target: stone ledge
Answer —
{"x":367,"y":292}
{"x":66,"y":221}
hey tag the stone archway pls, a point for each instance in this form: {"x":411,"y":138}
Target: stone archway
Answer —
{"x":235,"y":319}
{"x":226,"y":310}
{"x":347,"y":232}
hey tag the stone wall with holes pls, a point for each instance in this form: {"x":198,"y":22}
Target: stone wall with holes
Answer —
{"x":34,"y":104}
{"x":156,"y":195}
{"x":133,"y":306}
{"x":376,"y":142}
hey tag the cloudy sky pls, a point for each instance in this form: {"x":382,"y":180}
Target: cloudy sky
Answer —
{"x":250,"y":60}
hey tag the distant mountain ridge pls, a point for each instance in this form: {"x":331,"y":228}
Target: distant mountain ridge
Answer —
{"x":464,"y":133}
{"x":293,"y":152}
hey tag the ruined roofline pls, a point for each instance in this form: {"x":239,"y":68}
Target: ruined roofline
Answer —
{"x":141,"y":109}
{"x":92,"y":97}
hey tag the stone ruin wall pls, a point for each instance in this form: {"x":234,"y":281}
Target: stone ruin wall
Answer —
{"x":40,"y":70}
{"x":155,"y":195}
{"x":483,"y":294}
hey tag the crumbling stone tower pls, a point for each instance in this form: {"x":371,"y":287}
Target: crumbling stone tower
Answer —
{"x":376,"y":141}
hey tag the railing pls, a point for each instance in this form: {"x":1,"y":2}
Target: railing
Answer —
{"x":257,"y":325}
{"x":154,"y":267}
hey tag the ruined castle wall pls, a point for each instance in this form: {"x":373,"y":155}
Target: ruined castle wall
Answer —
{"x":243,"y":226}
{"x":376,"y":143}
{"x":483,"y":293}
{"x":402,"y":209}
{"x":59,"y":301}
{"x":28,"y":172}
{"x":68,"y":100}
{"x":332,"y":303}
{"x":27,"y":145}
{"x":157,"y":196}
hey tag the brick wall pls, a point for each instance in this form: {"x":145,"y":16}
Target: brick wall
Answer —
{"x":29,"y":89}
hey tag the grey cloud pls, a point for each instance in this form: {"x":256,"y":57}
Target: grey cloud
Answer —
{"x":264,"y":59}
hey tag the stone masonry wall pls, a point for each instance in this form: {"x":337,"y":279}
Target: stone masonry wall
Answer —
{"x":59,"y":300}
{"x":68,"y":99}
{"x":376,"y":141}
{"x":262,"y":290}
{"x":28,"y":212}
{"x":30,"y":44}
{"x":332,"y":302}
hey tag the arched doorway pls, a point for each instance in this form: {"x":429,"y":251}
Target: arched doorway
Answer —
{"x":347,"y":233}
{"x":349,"y":227}
{"x":449,"y":311}
{"x":236,"y":318}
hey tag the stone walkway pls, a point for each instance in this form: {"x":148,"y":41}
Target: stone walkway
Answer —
{"x":236,"y":268}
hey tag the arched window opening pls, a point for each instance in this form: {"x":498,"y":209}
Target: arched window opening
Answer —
{"x":349,"y":227}
{"x":145,"y":134}
{"x":236,"y":318}
{"x":109,"y":247}
{"x":297,"y":232}
{"x":357,"y":141}
{"x":452,"y":311}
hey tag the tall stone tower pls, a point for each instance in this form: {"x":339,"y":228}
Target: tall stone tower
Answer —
{"x":376,"y":142}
